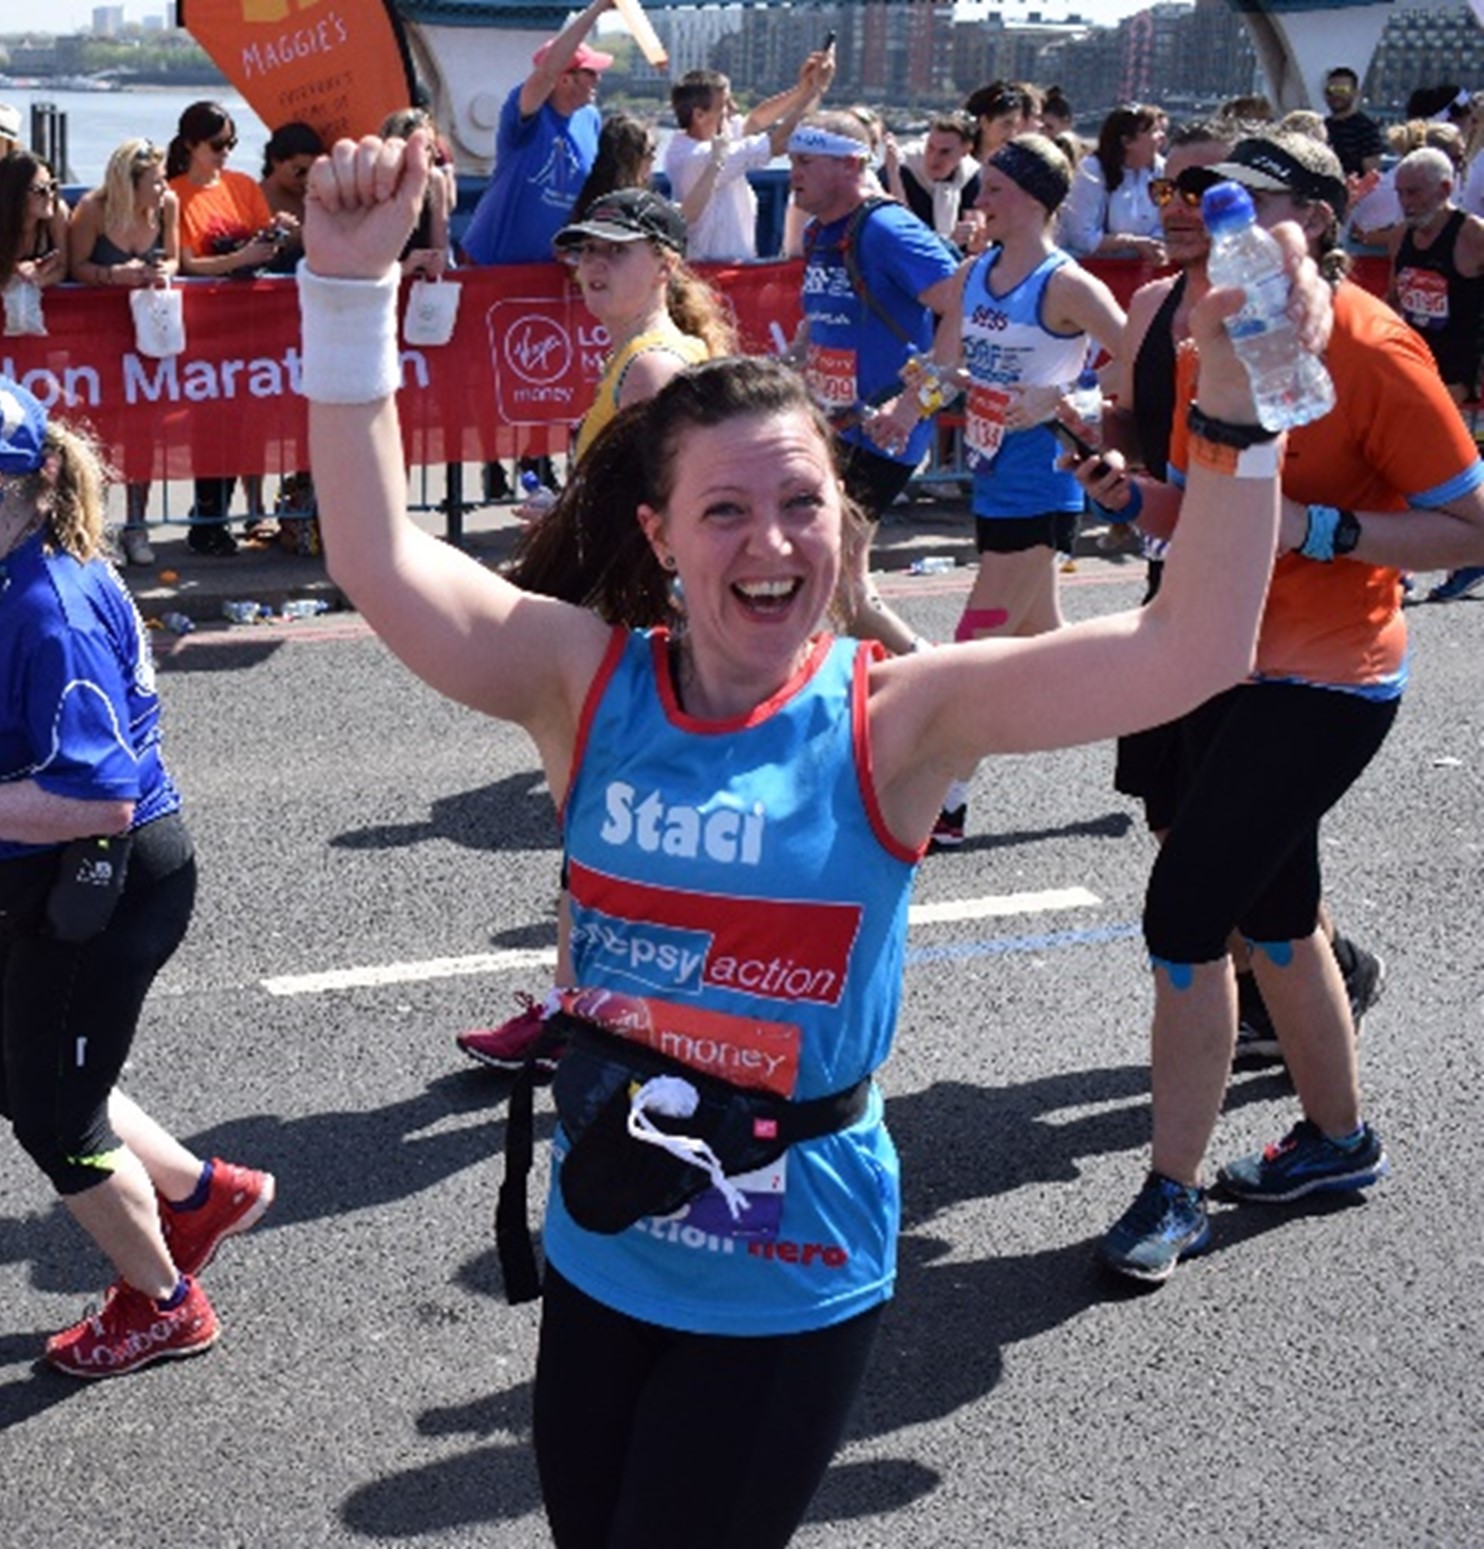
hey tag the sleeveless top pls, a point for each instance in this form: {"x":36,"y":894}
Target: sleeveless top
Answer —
{"x":690,"y":349}
{"x":107,"y":254}
{"x":1007,"y":345}
{"x":1154,"y":385}
{"x":1444,"y":306}
{"x":740,"y":872}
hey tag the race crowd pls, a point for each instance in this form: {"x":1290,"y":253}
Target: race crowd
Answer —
{"x":747,"y":747}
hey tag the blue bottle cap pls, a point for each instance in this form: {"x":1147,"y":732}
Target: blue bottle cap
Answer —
{"x":1227,"y":206}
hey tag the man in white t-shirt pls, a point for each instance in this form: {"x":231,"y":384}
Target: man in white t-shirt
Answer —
{"x":707,"y":162}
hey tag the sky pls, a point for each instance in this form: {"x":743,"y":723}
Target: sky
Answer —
{"x":77,"y":15}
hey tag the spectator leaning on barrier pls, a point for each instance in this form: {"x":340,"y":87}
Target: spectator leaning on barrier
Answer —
{"x":226,"y":229}
{"x":33,"y":236}
{"x":707,"y":162}
{"x":127,"y":233}
{"x":287,"y":158}
{"x":544,"y":149}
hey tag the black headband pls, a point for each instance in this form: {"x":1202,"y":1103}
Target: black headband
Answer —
{"x":1045,"y":182}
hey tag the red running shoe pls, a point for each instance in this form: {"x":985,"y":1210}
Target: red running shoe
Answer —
{"x":505,"y":1047}
{"x":131,"y":1331}
{"x":237,"y":1201}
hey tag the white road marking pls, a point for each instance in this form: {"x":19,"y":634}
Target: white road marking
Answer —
{"x":996,"y":905}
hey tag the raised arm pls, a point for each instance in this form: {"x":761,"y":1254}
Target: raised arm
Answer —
{"x":935,"y":713}
{"x":460,"y":628}
{"x":538,"y":85}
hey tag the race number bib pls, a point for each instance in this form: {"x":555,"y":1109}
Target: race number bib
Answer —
{"x":1422,"y":296}
{"x":984,"y":420}
{"x":830,"y":375}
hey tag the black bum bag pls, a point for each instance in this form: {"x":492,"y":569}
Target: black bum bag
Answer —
{"x":609,"y":1177}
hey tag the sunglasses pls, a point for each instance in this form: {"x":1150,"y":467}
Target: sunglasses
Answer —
{"x":227,"y":142}
{"x":1190,"y":185}
{"x":44,"y":190}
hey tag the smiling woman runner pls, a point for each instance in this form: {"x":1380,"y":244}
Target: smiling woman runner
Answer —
{"x":738,"y":790}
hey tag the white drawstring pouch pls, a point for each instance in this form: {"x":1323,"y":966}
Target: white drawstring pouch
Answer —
{"x":23,"y":314}
{"x":432,"y":311}
{"x":159,"y":320}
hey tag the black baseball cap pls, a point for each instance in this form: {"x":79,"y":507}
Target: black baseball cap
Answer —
{"x":1265,"y":164}
{"x":628,"y":215}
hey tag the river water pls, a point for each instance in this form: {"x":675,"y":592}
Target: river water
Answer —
{"x":98,"y":121}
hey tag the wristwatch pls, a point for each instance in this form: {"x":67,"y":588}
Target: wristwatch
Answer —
{"x":1347,"y":532}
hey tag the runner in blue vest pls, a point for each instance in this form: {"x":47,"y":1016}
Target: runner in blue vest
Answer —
{"x":744,"y":797}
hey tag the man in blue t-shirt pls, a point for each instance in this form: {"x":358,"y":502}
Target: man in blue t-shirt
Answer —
{"x":544,"y":149}
{"x":860,"y":328}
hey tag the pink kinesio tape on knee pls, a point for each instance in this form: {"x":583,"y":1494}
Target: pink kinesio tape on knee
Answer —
{"x":976,"y":619}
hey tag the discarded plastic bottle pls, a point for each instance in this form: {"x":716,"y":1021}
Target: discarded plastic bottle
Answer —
{"x":539,"y":497}
{"x":177,"y":623}
{"x":244,"y":612}
{"x":304,"y":607}
{"x":932,"y":564}
{"x":1289,"y":385}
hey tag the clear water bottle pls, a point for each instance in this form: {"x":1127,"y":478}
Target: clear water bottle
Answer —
{"x":1086,"y":399}
{"x":540,"y":497}
{"x":1290,"y":386}
{"x":304,"y":607}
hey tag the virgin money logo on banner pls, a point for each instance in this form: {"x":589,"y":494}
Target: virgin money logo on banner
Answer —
{"x":339,"y":66}
{"x":547,"y":354}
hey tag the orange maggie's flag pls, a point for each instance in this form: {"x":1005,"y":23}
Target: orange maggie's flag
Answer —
{"x":339,"y":66}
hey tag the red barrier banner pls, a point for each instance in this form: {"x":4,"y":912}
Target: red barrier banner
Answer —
{"x":518,"y":373}
{"x":515,"y":378}
{"x":339,"y":66}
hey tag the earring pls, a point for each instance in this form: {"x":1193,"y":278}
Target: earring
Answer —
{"x":676,"y":593}
{"x":668,"y":562}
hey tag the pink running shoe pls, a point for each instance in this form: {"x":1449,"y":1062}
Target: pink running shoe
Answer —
{"x":130,"y":1331}
{"x":505,"y":1047}
{"x":238,"y":1199}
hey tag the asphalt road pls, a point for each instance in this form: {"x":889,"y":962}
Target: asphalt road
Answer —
{"x":1314,"y":1380}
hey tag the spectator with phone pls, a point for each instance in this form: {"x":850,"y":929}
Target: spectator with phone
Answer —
{"x":226,"y":229}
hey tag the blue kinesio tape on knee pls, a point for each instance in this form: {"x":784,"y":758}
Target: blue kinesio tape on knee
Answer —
{"x":1181,"y":974}
{"x":1278,"y":952}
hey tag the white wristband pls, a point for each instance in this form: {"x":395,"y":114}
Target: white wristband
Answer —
{"x":350,"y":337}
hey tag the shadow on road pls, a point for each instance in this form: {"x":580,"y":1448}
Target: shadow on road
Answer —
{"x":942,"y":1342}
{"x":512,"y":814}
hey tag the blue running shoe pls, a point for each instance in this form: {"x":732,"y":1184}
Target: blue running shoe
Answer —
{"x":1305,"y":1161}
{"x":1458,"y":583}
{"x":1165,"y":1223}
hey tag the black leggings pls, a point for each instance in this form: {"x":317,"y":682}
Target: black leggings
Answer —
{"x":1261,"y":765}
{"x":647,"y":1438}
{"x":68,"y":1010}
